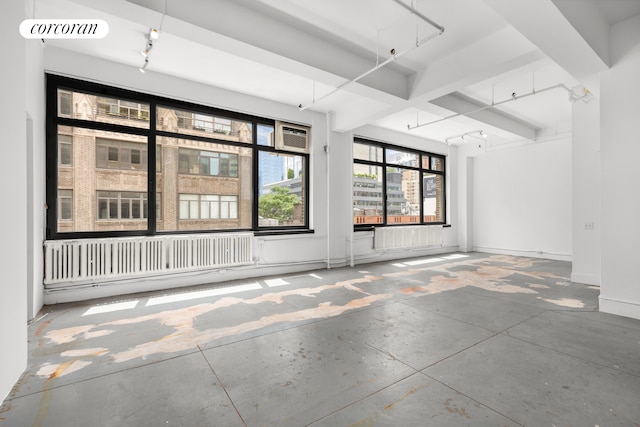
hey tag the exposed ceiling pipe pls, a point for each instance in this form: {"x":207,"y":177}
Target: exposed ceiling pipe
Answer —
{"x":394,"y":55}
{"x":572,"y":97}
{"x":420,"y":15}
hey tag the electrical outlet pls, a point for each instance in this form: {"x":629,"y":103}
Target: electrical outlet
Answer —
{"x":588,"y":225}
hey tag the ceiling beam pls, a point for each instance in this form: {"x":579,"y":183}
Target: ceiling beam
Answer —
{"x":544,"y":24}
{"x":461,"y":104}
{"x":502,"y":51}
{"x":272,"y":33}
{"x":496,"y":54}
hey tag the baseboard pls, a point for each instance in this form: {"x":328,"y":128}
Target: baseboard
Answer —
{"x":587,"y":279}
{"x":403,"y":253}
{"x":620,"y":308}
{"x":90,"y":291}
{"x":530,"y":254}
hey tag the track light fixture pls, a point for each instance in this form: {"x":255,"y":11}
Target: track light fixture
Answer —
{"x":147,"y":49}
{"x":144,"y":66}
{"x":154,"y":34}
{"x":479,"y":134}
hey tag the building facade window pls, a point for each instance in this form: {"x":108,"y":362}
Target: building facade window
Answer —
{"x":112,"y":154}
{"x":393,"y":185}
{"x":122,"y":205}
{"x":208,"y":206}
{"x":65,"y":205}
{"x":209,"y":163}
{"x":122,"y":109}
{"x":65,"y":150}
{"x":125,"y":163}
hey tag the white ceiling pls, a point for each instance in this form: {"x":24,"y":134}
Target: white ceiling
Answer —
{"x":298,"y":51}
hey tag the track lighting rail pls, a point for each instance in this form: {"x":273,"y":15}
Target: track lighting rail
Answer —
{"x":394,"y":55}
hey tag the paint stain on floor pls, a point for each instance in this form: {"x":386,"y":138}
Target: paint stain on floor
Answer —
{"x":494,"y":274}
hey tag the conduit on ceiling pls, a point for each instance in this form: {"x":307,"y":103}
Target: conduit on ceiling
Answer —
{"x":586,"y":97}
{"x":394,"y":55}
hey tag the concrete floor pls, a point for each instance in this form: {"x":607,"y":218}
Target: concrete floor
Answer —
{"x":459,"y":340}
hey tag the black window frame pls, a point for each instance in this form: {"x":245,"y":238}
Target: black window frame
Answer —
{"x":54,"y":120}
{"x":384,"y":164}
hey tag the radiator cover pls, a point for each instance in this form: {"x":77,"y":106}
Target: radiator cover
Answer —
{"x":96,"y":260}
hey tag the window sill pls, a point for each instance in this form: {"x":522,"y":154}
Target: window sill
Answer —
{"x":373,"y":227}
{"x":280,"y":232}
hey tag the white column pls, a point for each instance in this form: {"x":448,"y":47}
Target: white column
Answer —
{"x":620,"y":151}
{"x":13,"y":216}
{"x":586,"y":178}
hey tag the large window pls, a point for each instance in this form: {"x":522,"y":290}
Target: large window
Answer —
{"x":125,"y":163}
{"x":393,"y":185}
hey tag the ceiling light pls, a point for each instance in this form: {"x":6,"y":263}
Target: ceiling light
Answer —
{"x":154,"y":34}
{"x":461,"y":137}
{"x":146,"y":51}
{"x":144,"y":66}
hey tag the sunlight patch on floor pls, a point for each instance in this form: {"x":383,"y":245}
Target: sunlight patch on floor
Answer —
{"x":202,"y":294}
{"x":109,"y":308}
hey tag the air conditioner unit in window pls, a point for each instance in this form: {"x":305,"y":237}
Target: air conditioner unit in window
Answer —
{"x":292,"y":137}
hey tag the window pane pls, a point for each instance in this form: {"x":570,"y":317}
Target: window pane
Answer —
{"x":118,"y":154}
{"x":95,"y":108}
{"x":103,"y":213}
{"x":210,"y":163}
{"x":367,"y":194}
{"x":403,"y":196}
{"x":204,"y":210}
{"x":426,"y":162}
{"x":65,"y":205}
{"x":113,"y":154}
{"x":113,"y":209}
{"x":437,"y":164}
{"x":64,"y":103}
{"x":125,"y":209}
{"x":203,"y":124}
{"x":98,"y":186}
{"x":214,"y":206}
{"x":265,"y":135}
{"x":135,"y":157}
{"x":184,"y":209}
{"x":433,"y":201}
{"x":135,"y":209}
{"x":65,"y":153}
{"x":367,"y":152}
{"x":193,"y":210}
{"x":194,"y":171}
{"x":402,"y":158}
{"x":281,"y":186}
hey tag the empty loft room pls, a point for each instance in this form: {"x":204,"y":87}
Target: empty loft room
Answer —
{"x":320,"y":213}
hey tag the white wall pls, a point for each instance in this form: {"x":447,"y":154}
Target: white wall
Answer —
{"x":587,"y":226}
{"x":620,"y":151}
{"x":13,"y":176}
{"x":522,"y":200}
{"x":35,"y":174}
{"x":330,"y":244}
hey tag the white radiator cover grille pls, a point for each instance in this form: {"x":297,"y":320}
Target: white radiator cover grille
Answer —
{"x":95,"y":260}
{"x":407,"y":237}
